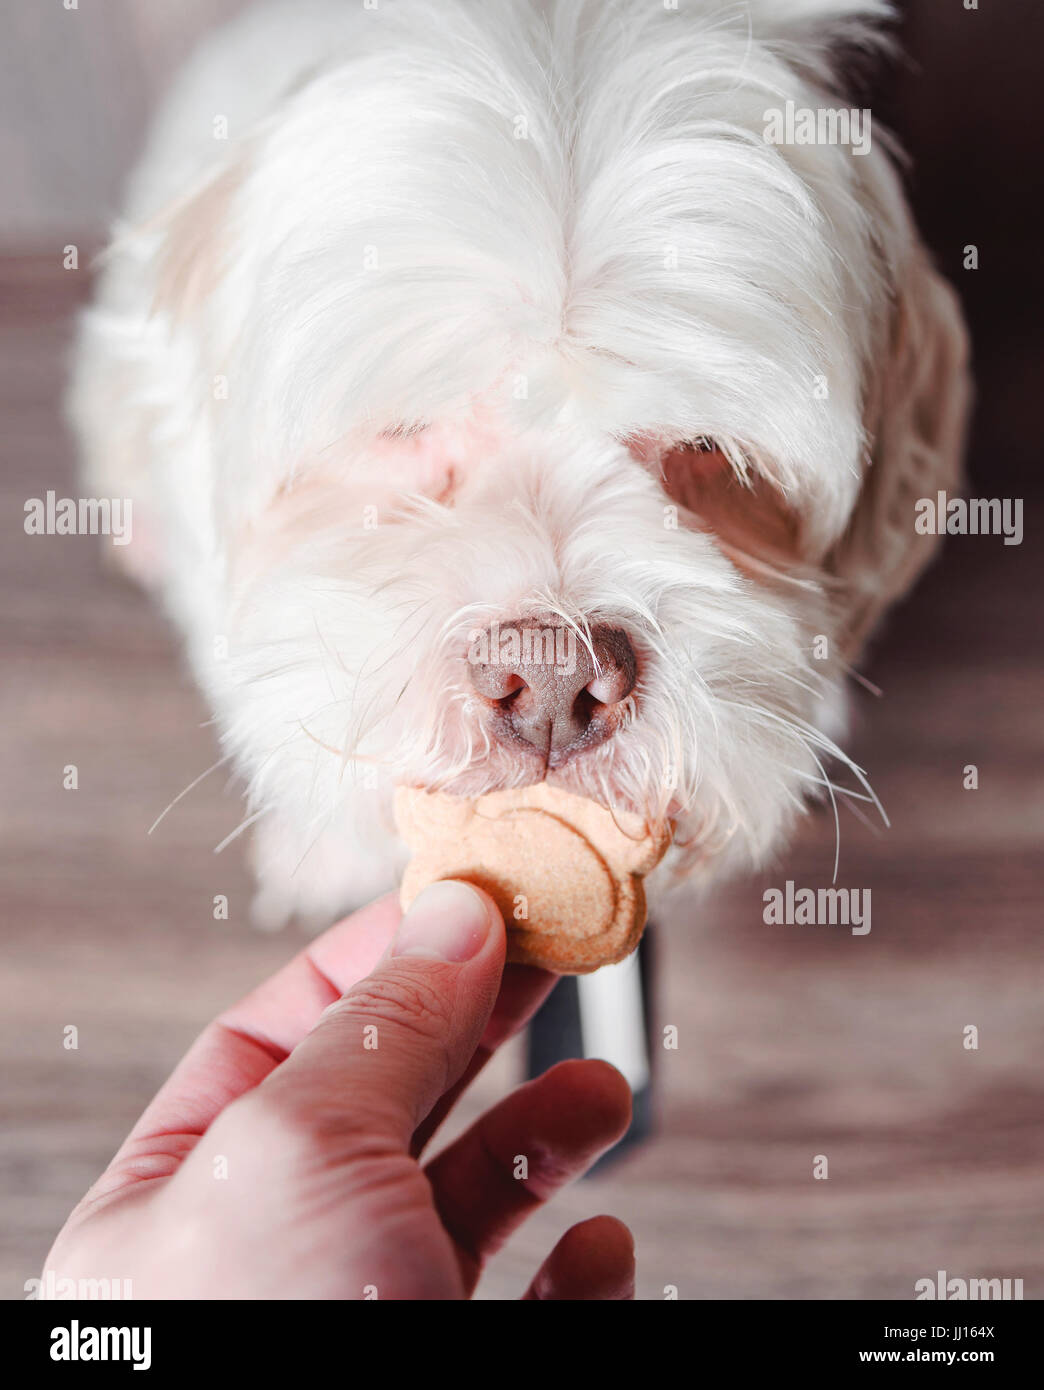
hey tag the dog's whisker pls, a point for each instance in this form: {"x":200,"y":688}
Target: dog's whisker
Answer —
{"x":802,"y":733}
{"x":240,"y":828}
{"x":837,"y":818}
{"x":872,"y":826}
{"x":858,"y":676}
{"x":828,"y":746}
{"x":191,"y":786}
{"x":312,"y":844}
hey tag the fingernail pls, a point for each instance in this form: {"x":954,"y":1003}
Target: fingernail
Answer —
{"x":446,"y":921}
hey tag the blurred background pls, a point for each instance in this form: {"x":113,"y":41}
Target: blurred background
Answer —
{"x":793,"y":1042}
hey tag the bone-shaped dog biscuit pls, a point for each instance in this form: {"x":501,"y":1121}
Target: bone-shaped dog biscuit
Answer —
{"x":565,"y":872}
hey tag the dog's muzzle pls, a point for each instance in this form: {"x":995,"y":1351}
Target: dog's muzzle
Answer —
{"x":548,"y":689}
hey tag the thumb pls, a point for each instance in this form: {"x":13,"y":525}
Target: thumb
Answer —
{"x":383,"y":1054}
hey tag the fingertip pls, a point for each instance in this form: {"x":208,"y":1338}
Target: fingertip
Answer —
{"x":450,"y":920}
{"x":593,"y":1261}
{"x":602,"y":1099}
{"x":607,"y":1234}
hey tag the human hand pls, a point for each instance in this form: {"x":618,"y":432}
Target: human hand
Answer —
{"x":282,"y":1157}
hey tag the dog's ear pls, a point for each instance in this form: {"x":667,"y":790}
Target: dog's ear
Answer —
{"x":193,"y":238}
{"x":915,"y":422}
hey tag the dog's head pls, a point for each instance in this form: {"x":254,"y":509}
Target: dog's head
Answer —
{"x":576,"y":407}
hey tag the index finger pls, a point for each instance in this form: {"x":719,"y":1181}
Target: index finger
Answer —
{"x":244,"y":1044}
{"x":249,"y":1040}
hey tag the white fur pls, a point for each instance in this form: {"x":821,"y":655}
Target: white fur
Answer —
{"x":540,"y":229}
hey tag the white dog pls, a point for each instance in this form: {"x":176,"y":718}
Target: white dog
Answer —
{"x":432,"y":321}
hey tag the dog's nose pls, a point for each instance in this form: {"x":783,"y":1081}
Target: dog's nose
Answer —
{"x":550,"y":688}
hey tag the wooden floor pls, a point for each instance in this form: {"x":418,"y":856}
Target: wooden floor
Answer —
{"x":794,"y":1042}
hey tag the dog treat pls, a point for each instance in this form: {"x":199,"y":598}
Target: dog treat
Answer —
{"x":565,"y":872}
